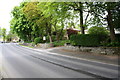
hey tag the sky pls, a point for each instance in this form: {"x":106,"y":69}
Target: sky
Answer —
{"x":6,"y":6}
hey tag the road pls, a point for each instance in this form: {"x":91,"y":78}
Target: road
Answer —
{"x":21,"y":62}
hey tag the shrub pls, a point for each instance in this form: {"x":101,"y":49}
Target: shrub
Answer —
{"x":85,"y":40}
{"x":37,"y":40}
{"x":112,"y":44}
{"x":33,"y":44}
{"x":28,"y":42}
{"x":117,"y":37}
{"x":98,"y":31}
{"x":60,"y":43}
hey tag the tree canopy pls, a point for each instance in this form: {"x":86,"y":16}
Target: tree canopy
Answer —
{"x":50,"y":19}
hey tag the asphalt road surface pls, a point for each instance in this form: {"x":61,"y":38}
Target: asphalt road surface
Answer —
{"x":21,"y":62}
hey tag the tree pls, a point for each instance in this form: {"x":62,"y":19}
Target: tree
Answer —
{"x":34,"y":16}
{"x":61,"y":14}
{"x":4,"y":33}
{"x":111,"y":10}
{"x":54,"y":20}
{"x":116,"y":14}
{"x":41,"y":23}
{"x":80,"y":8}
{"x":20,"y":24}
{"x":38,"y":19}
{"x":109,"y":20}
{"x":0,"y":32}
{"x":10,"y":36}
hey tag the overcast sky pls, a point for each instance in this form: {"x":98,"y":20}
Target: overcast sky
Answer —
{"x":6,"y":7}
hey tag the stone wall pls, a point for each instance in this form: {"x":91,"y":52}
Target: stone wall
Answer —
{"x":97,"y":50}
{"x":27,"y":44}
{"x":40,"y":45}
{"x":45,"y":45}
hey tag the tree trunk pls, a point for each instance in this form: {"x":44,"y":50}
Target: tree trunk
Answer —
{"x":48,"y":29}
{"x":50,"y":38}
{"x":56,"y":30}
{"x":4,"y":38}
{"x":110,"y":23}
{"x":60,"y":34}
{"x":81,"y":18}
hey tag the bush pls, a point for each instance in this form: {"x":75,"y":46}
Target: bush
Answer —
{"x":112,"y":44}
{"x":33,"y":44}
{"x":85,"y":40}
{"x":37,"y":40}
{"x":60,"y":43}
{"x":117,"y":37}
{"x":98,"y":31}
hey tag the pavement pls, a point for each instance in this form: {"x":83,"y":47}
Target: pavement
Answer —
{"x":111,"y":59}
{"x":24,"y":62}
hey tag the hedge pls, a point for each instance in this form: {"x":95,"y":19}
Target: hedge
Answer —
{"x":38,"y":40}
{"x":117,"y":37}
{"x":85,"y":40}
{"x":60,"y":43}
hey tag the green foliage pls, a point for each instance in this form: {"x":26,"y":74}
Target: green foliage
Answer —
{"x":3,"y":33}
{"x":118,"y":37}
{"x":56,"y":14}
{"x":115,"y":9}
{"x":34,"y":19}
{"x":33,"y":44}
{"x":60,"y":43}
{"x":19,"y":24}
{"x":10,"y":36}
{"x":108,"y":43}
{"x":98,"y":31}
{"x":38,"y":40}
{"x":112,"y":44}
{"x":0,"y":32}
{"x":85,"y":40}
{"x":112,"y":18}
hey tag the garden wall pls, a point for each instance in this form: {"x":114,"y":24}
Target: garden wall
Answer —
{"x":44,"y":45}
{"x":97,"y":50}
{"x":40,"y":45}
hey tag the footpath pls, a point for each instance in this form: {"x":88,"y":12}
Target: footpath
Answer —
{"x":110,"y":59}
